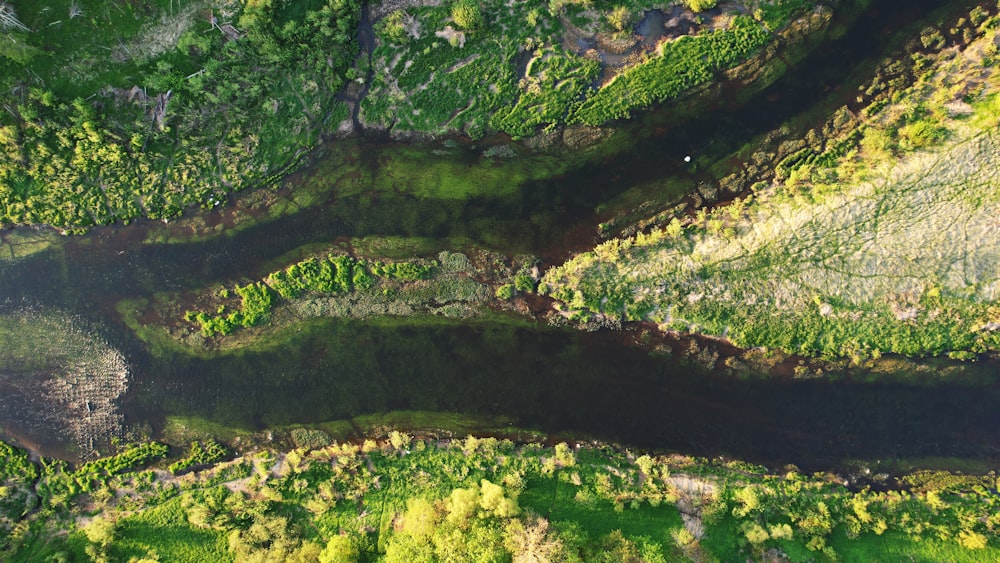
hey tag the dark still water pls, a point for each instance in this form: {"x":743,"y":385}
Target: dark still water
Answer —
{"x":560,"y":381}
{"x":572,"y":383}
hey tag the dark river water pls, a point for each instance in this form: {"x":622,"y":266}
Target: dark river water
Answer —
{"x":560,"y":381}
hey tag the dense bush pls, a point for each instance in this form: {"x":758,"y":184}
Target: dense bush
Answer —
{"x":467,"y":14}
{"x":700,"y":5}
{"x":150,"y":130}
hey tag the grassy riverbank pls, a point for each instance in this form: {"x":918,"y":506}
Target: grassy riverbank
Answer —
{"x":404,"y":499}
{"x":144,"y":110}
{"x":862,"y":245}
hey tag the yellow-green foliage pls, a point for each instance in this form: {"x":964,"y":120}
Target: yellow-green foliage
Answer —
{"x":682,"y":64}
{"x":800,"y":270}
{"x":334,"y":274}
{"x":467,"y":14}
{"x":700,"y":5}
{"x":480,"y":499}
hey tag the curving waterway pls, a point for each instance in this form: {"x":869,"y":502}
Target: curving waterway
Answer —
{"x":560,"y":381}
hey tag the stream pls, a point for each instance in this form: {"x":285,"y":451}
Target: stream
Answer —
{"x":561,"y":381}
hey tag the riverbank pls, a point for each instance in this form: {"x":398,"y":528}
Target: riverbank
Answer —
{"x":404,"y":498}
{"x":147,"y":117}
{"x":809,"y":266}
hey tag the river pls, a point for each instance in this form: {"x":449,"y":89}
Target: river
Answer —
{"x":557,"y":380}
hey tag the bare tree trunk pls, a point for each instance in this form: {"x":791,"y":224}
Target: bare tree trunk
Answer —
{"x":8,"y":19}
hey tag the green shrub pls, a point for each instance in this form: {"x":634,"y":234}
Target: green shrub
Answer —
{"x":524,"y":283}
{"x":920,"y":134}
{"x":467,"y":14}
{"x":700,"y":5}
{"x":394,"y":27}
{"x":506,"y":291}
{"x":619,"y":18}
{"x":200,"y":453}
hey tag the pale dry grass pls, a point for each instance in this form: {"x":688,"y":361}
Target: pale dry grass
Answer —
{"x":928,"y":226}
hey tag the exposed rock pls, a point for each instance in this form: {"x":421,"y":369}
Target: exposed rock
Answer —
{"x":378,"y":10}
{"x":453,"y":37}
{"x":580,"y":136}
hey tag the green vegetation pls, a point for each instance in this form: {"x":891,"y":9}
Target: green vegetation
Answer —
{"x":142,"y":109}
{"x":467,"y":15}
{"x":433,"y":80}
{"x":408,"y":499}
{"x":119,"y":112}
{"x":430,"y":78}
{"x":255,"y":305}
{"x":200,"y":453}
{"x":700,"y":5}
{"x":681,"y":65}
{"x":306,"y":284}
{"x":823,"y":261}
{"x":506,"y":291}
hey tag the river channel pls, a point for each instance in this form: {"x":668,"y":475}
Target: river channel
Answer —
{"x":560,"y":381}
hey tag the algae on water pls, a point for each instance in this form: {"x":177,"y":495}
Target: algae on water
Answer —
{"x":61,"y":379}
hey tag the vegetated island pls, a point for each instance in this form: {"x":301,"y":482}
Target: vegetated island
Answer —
{"x":477,"y":499}
{"x":117,"y":111}
{"x":877,"y":234}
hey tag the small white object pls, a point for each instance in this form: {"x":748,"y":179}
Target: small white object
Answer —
{"x":687,"y":158}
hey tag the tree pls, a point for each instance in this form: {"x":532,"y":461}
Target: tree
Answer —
{"x":8,"y":19}
{"x":340,"y":549}
{"x":420,"y":519}
{"x":467,"y":15}
{"x":700,"y":5}
{"x":395,"y":26}
{"x":493,"y":500}
{"x":100,"y":533}
{"x":972,"y":540}
{"x":619,"y":18}
{"x":462,"y":505}
{"x":532,"y":543}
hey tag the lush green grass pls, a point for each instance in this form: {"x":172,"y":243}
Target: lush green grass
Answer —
{"x":165,"y":531}
{"x":898,"y":547}
{"x":15,"y":245}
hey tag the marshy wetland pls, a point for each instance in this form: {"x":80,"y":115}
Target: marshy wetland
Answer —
{"x":785,"y":256}
{"x":323,"y":359}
